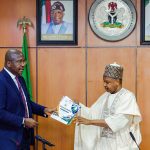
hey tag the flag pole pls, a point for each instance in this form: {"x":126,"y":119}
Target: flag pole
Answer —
{"x":24,"y":23}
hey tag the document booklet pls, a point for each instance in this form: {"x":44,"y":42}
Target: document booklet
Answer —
{"x":67,"y":109}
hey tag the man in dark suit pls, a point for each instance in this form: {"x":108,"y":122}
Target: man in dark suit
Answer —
{"x":16,"y":108}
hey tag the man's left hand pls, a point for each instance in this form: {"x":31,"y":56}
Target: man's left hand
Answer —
{"x":81,"y":120}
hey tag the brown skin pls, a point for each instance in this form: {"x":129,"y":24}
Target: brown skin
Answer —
{"x":15,"y":63}
{"x":57,"y":16}
{"x":112,"y":86}
{"x":31,"y":123}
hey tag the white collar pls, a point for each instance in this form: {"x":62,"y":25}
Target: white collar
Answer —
{"x":11,"y":75}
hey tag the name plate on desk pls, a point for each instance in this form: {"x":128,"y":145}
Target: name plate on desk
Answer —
{"x":66,"y":111}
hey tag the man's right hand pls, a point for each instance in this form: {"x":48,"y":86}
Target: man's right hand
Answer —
{"x":30,"y":123}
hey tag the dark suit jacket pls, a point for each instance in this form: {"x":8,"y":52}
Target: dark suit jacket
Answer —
{"x":12,"y":109}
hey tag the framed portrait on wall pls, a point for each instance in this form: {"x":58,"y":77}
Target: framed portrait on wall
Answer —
{"x":145,"y":22}
{"x":56,"y":22}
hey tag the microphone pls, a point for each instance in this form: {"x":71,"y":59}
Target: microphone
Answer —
{"x":133,"y":138}
{"x":43,"y":140}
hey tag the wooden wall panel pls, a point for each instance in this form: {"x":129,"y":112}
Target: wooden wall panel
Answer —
{"x":10,"y":12}
{"x":138,"y":24}
{"x":81,"y":22}
{"x":94,"y":41}
{"x":143,"y":86}
{"x":60,"y":72}
{"x":98,"y":58}
{"x":2,"y":57}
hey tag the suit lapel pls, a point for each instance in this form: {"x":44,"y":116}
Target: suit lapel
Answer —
{"x":10,"y":82}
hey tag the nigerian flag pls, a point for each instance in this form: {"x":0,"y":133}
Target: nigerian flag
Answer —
{"x":46,"y":11}
{"x":26,"y":71}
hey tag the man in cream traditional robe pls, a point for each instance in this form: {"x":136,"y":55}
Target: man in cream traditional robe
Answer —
{"x":107,"y":124}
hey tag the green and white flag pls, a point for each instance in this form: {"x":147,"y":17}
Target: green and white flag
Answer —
{"x":26,"y":71}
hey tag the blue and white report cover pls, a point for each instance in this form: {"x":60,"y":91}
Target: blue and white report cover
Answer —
{"x":67,"y":109}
